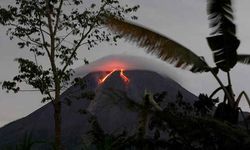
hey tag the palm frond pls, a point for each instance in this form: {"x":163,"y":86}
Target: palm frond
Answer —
{"x":161,"y":46}
{"x":220,"y":14}
{"x":223,"y":41}
{"x":224,"y":50}
{"x":244,"y":58}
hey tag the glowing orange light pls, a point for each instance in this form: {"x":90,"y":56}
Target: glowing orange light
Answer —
{"x":103,"y":79}
{"x":125,"y":78}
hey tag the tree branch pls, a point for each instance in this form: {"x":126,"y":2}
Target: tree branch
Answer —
{"x":63,"y":39}
{"x":44,"y":41}
{"x":76,"y":48}
{"x":58,"y":17}
{"x":83,"y":37}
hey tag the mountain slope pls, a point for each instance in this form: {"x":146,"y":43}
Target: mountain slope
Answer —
{"x":110,"y":110}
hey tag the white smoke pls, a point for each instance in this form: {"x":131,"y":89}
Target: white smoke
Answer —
{"x":126,"y":62}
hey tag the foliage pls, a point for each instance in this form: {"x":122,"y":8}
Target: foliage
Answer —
{"x":205,"y":104}
{"x":101,"y":141}
{"x":58,"y":33}
{"x":223,"y":43}
{"x":26,"y":143}
{"x":56,"y":29}
{"x":188,"y":128}
{"x":163,"y":47}
{"x":223,"y":40}
{"x":179,"y":126}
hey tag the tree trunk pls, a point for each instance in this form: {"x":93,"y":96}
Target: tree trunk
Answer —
{"x":57,"y":119}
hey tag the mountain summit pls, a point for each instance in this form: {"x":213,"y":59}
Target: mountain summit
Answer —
{"x":108,"y":106}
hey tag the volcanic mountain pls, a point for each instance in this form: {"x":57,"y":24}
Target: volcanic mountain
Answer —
{"x":102,"y":95}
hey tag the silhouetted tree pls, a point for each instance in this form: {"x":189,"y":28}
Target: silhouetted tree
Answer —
{"x":176,"y":125}
{"x":223,"y":43}
{"x":56,"y":29}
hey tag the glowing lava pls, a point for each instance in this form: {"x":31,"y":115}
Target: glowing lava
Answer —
{"x":124,"y":77}
{"x":103,"y":79}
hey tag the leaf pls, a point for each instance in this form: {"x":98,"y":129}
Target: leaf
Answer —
{"x":243,"y":58}
{"x":220,"y":15}
{"x":159,"y":45}
{"x":21,"y":44}
{"x":223,"y":41}
{"x":224,"y":50}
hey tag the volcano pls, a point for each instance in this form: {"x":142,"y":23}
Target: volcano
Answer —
{"x":108,"y":106}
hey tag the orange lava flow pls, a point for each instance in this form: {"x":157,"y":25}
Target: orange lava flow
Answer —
{"x":125,"y":78}
{"x":103,"y":79}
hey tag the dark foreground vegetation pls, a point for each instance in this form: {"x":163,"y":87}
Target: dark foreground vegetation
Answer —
{"x":176,"y":126}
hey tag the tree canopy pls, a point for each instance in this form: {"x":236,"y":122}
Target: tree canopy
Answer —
{"x":56,"y":29}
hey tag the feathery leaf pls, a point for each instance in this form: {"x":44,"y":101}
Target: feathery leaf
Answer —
{"x":223,"y":41}
{"x":220,"y":14}
{"x":244,"y":58}
{"x":161,"y":46}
